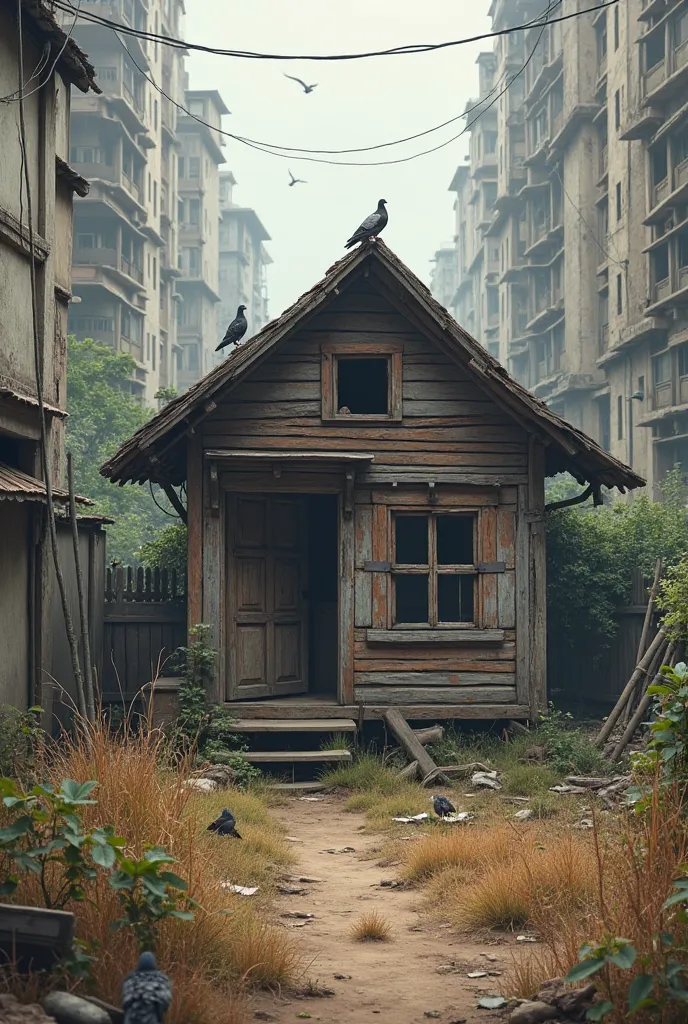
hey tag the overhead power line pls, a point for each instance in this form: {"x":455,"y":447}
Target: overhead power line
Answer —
{"x":396,"y":51}
{"x":272,"y":149}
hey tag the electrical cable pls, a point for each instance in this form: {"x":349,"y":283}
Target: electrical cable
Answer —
{"x":13,"y":98}
{"x":394,"y":51}
{"x":270,"y":149}
{"x":172,"y":515}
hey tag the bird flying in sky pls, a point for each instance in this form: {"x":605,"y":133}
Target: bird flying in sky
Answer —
{"x":236,"y":330}
{"x":371,"y":226}
{"x":296,"y":181}
{"x":225,"y":825}
{"x":146,"y":993}
{"x":306,"y":88}
{"x":442,"y":806}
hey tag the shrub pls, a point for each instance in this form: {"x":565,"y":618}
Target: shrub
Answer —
{"x":20,"y":735}
{"x":569,"y":750}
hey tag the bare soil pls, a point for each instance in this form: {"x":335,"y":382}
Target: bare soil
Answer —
{"x":420,"y":975}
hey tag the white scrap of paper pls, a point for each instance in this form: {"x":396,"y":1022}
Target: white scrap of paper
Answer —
{"x":243,"y":890}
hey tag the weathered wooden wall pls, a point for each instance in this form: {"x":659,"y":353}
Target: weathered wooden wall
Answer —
{"x":452,"y":434}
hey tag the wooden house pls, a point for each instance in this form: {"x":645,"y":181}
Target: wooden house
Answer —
{"x":365,"y":507}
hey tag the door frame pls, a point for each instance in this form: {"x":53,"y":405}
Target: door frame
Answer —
{"x":216,"y":560}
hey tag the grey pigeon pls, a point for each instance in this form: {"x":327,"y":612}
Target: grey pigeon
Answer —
{"x":442,"y":806}
{"x":371,"y":226}
{"x":146,"y":993}
{"x":236,"y":330}
{"x":306,"y":88}
{"x":296,"y":181}
{"x":225,"y":825}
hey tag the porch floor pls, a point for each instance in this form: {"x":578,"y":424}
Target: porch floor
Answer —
{"x":317,"y":706}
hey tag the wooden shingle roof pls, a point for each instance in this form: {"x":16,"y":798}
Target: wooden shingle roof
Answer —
{"x":155,"y":452}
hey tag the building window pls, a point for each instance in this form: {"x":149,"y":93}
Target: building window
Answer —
{"x":180,"y":166}
{"x":616,"y":28}
{"x":604,"y":417}
{"x":361,"y":384}
{"x":661,"y":369}
{"x":196,"y":108}
{"x":155,"y":199}
{"x":154,"y":350}
{"x":194,"y":210}
{"x":617,"y":110}
{"x":618,"y":201}
{"x":619,"y":295}
{"x":192,"y":358}
{"x":619,"y":418}
{"x":434,"y":570}
{"x":194,"y":167}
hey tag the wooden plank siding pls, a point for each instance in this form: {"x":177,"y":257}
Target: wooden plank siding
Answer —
{"x":451,"y":433}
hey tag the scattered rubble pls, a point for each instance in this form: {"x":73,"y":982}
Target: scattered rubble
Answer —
{"x":485,"y":780}
{"x":242,"y":890}
{"x":525,"y":814}
{"x":491,"y":1003}
{"x":66,"y":1008}
{"x":344,"y":849}
{"x":14,"y":1012}
{"x":533,"y":1013}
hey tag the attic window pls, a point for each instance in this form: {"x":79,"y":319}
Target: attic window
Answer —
{"x":361,"y":381}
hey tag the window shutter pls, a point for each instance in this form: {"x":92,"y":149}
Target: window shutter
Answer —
{"x":497,"y":585}
{"x":381,"y":580}
{"x":363,"y":580}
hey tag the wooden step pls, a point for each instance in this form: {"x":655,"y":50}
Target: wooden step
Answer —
{"x":294,"y":725}
{"x":294,"y":787}
{"x":296,"y":756}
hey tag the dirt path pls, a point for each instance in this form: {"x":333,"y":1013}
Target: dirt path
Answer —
{"x":397,"y":980}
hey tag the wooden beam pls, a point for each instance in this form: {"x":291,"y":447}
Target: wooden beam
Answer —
{"x":194,"y":542}
{"x":175,"y":501}
{"x":346,"y":605}
{"x":429,"y":636}
{"x":403,"y":732}
{"x":538,"y":593}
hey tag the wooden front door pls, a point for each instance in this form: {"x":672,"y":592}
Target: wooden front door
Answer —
{"x":268,"y":650}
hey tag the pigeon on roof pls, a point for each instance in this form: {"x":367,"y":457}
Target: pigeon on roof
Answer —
{"x":371,"y":226}
{"x":236,"y":330}
{"x":225,"y":825}
{"x":296,"y":181}
{"x":146,"y":993}
{"x":306,"y":88}
{"x":442,"y":806}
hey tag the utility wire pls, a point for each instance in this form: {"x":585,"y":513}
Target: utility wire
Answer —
{"x":274,"y":150}
{"x":13,"y":97}
{"x":171,"y":41}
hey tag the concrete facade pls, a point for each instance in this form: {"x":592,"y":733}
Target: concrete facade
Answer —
{"x":125,"y":252}
{"x":200,"y":156}
{"x":590,"y":220}
{"x":27,"y":588}
{"x":243,"y":261}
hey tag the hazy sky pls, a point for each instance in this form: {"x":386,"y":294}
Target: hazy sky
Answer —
{"x":357,"y":103}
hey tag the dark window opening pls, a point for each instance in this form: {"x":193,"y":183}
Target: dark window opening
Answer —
{"x":454,"y":598}
{"x":363,"y":386}
{"x":411,"y":594}
{"x":455,"y":540}
{"x":411,"y":535}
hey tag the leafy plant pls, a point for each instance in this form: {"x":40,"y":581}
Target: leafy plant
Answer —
{"x":20,"y":734}
{"x":47,"y":839}
{"x":202,"y":725}
{"x":667,"y":749}
{"x":167,"y":550}
{"x":569,"y":750}
{"x":673,"y":599}
{"x":148,"y":894}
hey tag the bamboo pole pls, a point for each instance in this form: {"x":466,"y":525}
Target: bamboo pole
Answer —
{"x":641,"y":710}
{"x":645,"y":633}
{"x":86,"y":698}
{"x":641,"y":668}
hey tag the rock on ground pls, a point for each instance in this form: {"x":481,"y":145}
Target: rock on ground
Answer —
{"x":533,"y":1013}
{"x":14,"y":1012}
{"x":70,"y":1009}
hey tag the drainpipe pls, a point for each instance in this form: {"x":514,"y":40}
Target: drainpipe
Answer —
{"x":637,"y":396}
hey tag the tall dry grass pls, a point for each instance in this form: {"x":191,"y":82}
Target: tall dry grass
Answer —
{"x":228,"y":945}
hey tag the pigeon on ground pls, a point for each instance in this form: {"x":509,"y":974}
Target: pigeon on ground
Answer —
{"x":236,"y":330}
{"x":306,"y":88}
{"x":296,"y":181}
{"x":146,"y":993}
{"x":442,"y":806}
{"x":225,"y":825}
{"x":371,"y":226}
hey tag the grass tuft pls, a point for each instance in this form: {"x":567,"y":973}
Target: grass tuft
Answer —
{"x":371,"y":927}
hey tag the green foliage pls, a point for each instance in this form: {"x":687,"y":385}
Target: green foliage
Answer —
{"x":166,"y":551}
{"x":46,"y":838}
{"x":202,"y":725}
{"x":666,"y":756}
{"x":20,"y":734}
{"x":673,"y":600}
{"x":569,"y":750}
{"x":148,"y":894}
{"x":165,"y":395}
{"x":102,"y":415}
{"x":591,"y":555}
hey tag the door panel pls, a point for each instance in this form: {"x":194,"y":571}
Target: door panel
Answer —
{"x":268,"y":575}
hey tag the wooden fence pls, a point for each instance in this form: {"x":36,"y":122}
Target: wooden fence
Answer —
{"x":144,"y":624}
{"x":592,"y":681}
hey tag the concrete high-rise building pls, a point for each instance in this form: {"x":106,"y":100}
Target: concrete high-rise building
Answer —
{"x":589,"y":225}
{"x":124,"y":258}
{"x":243,"y":261}
{"x":200,"y":156}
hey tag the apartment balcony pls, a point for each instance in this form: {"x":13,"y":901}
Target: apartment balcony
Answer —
{"x":601,"y":69}
{"x":110,"y":260}
{"x":122,"y":95}
{"x":671,"y":191}
{"x":668,"y":77}
{"x":641,"y":123}
{"x":548,"y":308}
{"x":519,"y":325}
{"x":654,"y":9}
{"x":670,"y":291}
{"x":485,"y":166}
{"x":602,"y":339}
{"x":539,"y":238}
{"x":168,"y":119}
{"x":603,"y":168}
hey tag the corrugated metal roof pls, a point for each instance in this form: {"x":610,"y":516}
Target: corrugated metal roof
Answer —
{"x":18,"y":486}
{"x":18,"y":396}
{"x":568,"y":447}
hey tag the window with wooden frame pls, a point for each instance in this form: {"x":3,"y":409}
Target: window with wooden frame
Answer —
{"x":361,"y":381}
{"x":434,"y":569}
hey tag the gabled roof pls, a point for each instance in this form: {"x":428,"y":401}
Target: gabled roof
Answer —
{"x":149,"y":454}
